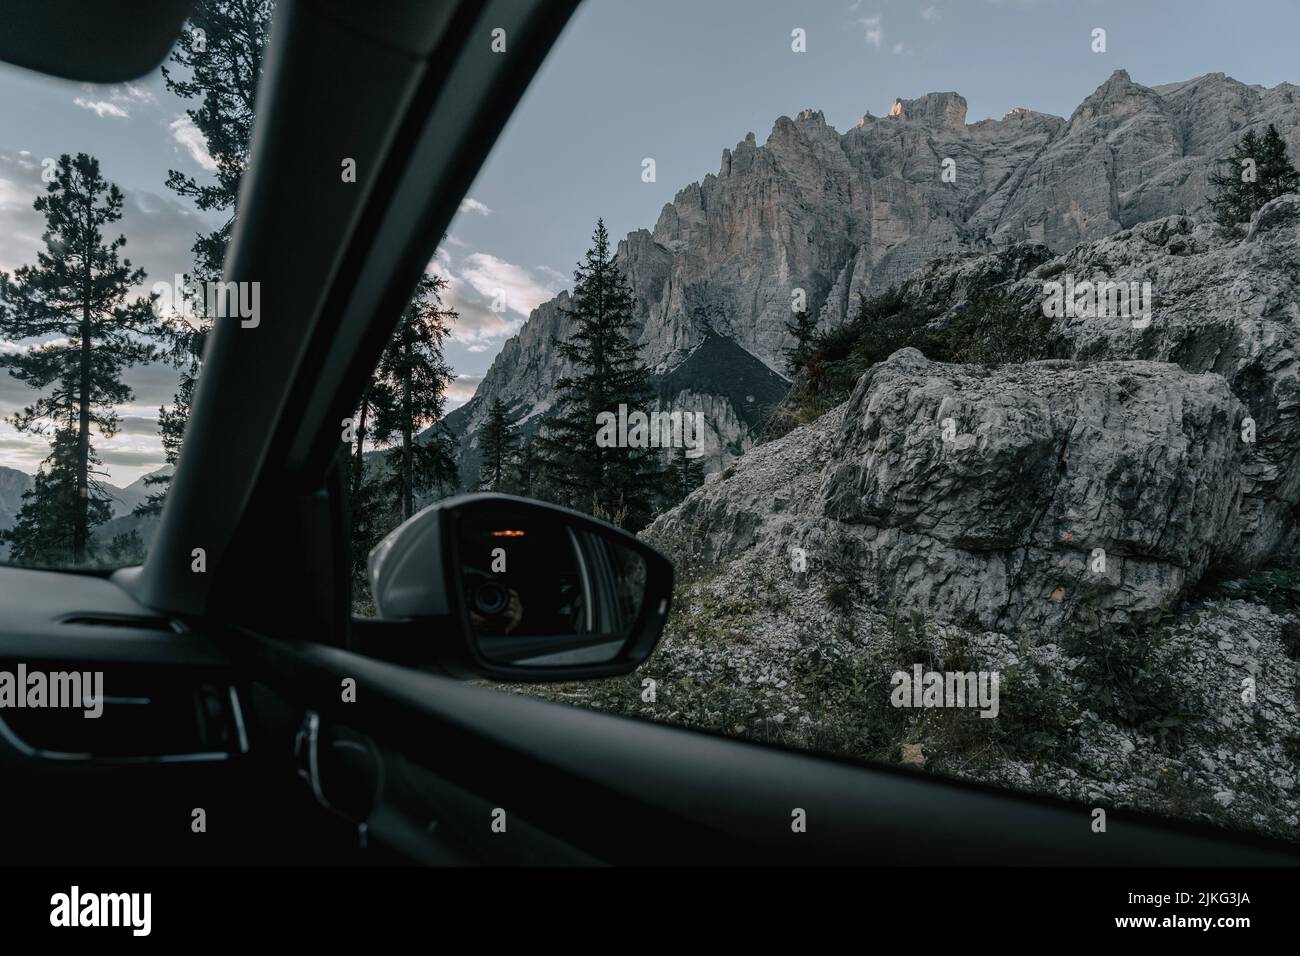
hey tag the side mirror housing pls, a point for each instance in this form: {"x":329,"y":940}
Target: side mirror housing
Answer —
{"x":513,"y":589}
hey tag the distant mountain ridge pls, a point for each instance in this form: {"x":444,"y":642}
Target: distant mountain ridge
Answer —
{"x":842,"y":214}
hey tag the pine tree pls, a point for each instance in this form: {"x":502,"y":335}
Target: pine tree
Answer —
{"x":125,"y":549}
{"x":684,"y":475}
{"x":524,"y":476}
{"x":619,"y":484}
{"x":1257,"y":170}
{"x":416,"y":375}
{"x":1235,"y":186}
{"x":73,"y":301}
{"x":1277,"y":176}
{"x":372,"y":514}
{"x":498,"y":444}
{"x":45,"y":528}
{"x":171,"y":429}
{"x":220,"y":55}
{"x":804,"y":328}
{"x":376,"y":403}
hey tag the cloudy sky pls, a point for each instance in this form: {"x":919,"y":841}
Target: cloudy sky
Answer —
{"x":672,"y":80}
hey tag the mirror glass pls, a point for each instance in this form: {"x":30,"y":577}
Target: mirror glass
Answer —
{"x":540,"y":591}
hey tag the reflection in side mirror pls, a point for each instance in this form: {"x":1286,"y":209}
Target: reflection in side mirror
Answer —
{"x":541,"y":592}
{"x":537,"y":591}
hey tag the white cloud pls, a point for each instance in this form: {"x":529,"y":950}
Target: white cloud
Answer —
{"x":874,"y":34}
{"x":116,"y":100}
{"x":133,"y":93}
{"x":101,"y":108}
{"x":558,"y":278}
{"x":898,"y":47}
{"x":931,"y":13}
{"x":462,"y":389}
{"x":469,"y":204}
{"x":11,"y":194}
{"x":479,"y":281}
{"x":490,"y":277}
{"x":20,"y":235}
{"x":186,"y":134}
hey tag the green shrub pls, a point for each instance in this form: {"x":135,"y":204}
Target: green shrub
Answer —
{"x":1130,"y":678}
{"x":992,"y":330}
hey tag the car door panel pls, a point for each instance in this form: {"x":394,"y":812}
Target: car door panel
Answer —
{"x":609,"y":789}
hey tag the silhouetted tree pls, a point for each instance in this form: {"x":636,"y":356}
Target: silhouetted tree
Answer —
{"x":524,"y":475}
{"x":498,"y":445}
{"x":415,"y":375}
{"x":73,"y":303}
{"x":220,"y":55}
{"x":45,"y":529}
{"x":684,"y":475}
{"x":803,"y":327}
{"x":616,"y":483}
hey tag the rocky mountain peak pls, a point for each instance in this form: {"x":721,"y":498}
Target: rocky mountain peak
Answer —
{"x":1115,"y":101}
{"x":938,"y":109}
{"x":829,"y":217}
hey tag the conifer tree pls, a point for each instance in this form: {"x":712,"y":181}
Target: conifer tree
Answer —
{"x":524,"y":476}
{"x":1277,"y":176}
{"x":372,"y":516}
{"x":73,"y":305}
{"x":804,"y":328}
{"x":498,"y":445}
{"x":220,"y":56}
{"x":684,"y":475}
{"x":415,"y":375}
{"x":45,"y":528}
{"x":617,"y":483}
{"x":1256,"y":170}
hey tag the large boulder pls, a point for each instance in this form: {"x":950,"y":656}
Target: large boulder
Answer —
{"x":1018,"y":496}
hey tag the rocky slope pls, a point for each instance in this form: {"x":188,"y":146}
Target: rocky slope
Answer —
{"x":838,"y":214}
{"x":952,"y":515}
{"x":756,"y":651}
{"x":1007,"y":496}
{"x":1015,"y":496}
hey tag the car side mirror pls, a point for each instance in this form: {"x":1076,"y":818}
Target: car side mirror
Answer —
{"x":531,"y":590}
